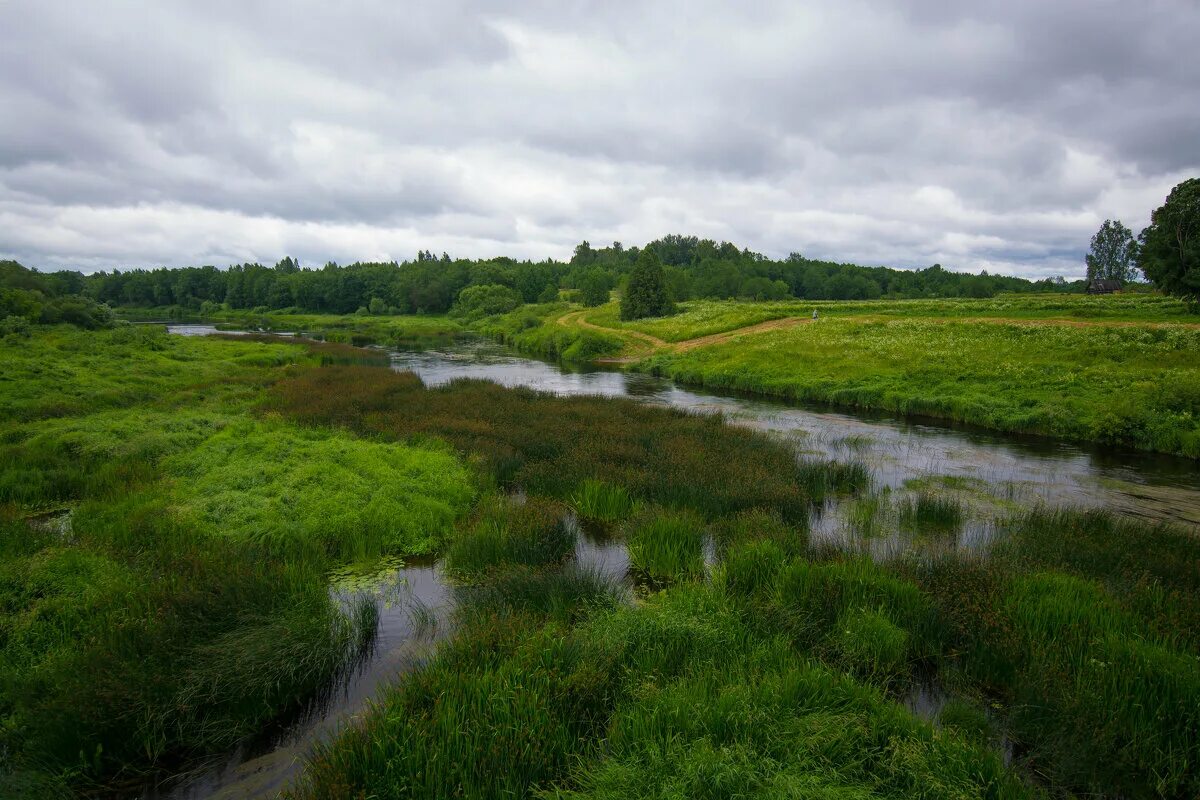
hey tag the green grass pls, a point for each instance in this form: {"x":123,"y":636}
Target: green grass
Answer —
{"x":550,"y":446}
{"x":602,"y":502}
{"x":291,"y":488}
{"x":666,"y":545}
{"x":931,"y":513}
{"x":1133,"y":385}
{"x":676,"y":697}
{"x":532,"y":533}
{"x":535,"y":330}
{"x":706,"y":317}
{"x":185,"y":605}
{"x":216,"y":492}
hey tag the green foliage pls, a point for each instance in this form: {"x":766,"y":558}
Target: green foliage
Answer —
{"x":1170,"y":247}
{"x":290,"y":489}
{"x":1117,"y":384}
{"x":646,"y":292}
{"x":928,"y":512}
{"x":666,"y":545}
{"x":600,"y":501}
{"x":868,"y":642}
{"x":594,"y":287}
{"x":1113,"y":254}
{"x":532,"y":533}
{"x":486,"y":301}
{"x":550,"y":445}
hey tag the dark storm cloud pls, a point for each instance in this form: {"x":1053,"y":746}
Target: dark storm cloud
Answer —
{"x":978,"y":135}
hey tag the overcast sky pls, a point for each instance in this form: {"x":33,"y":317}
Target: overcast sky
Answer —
{"x":990,"y":136}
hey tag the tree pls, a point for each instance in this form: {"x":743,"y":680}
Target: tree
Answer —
{"x":1170,"y":247}
{"x":486,"y":300}
{"x":646,"y":295}
{"x":1113,"y":254}
{"x":594,"y":286}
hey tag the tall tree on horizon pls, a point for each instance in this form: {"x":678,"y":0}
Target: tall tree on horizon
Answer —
{"x":1113,"y":255}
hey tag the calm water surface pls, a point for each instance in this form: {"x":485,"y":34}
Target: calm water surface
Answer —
{"x":416,"y":604}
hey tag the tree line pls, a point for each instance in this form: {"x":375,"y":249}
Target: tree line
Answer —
{"x":693,"y":268}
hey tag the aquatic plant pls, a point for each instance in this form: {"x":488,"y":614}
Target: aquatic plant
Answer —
{"x":551,"y":445}
{"x":530,"y":534}
{"x":600,"y":501}
{"x":931,"y":513}
{"x":666,"y":544}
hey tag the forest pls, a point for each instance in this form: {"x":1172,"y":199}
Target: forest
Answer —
{"x":695,"y":269}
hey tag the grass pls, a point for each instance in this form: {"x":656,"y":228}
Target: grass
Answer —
{"x":1082,"y":626}
{"x":186,"y":605}
{"x":707,"y":317}
{"x":689,"y":700}
{"x":602,"y":502}
{"x":666,"y":545}
{"x":931,"y":513}
{"x":550,"y":446}
{"x":531,"y":534}
{"x":1129,"y":385}
{"x":290,"y":488}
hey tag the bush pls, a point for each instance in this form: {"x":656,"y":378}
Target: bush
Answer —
{"x":486,"y":300}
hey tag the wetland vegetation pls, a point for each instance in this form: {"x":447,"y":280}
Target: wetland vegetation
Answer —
{"x":178,"y":515}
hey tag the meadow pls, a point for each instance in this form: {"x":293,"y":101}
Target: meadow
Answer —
{"x":707,"y":317}
{"x":1117,"y":370}
{"x":173,"y":519}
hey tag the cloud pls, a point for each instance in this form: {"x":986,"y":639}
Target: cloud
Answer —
{"x":976,"y":135}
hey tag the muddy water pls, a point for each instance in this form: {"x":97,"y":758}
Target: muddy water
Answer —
{"x":416,"y":604}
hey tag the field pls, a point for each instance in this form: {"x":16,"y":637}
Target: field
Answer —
{"x":1115,"y":370}
{"x":175,"y":511}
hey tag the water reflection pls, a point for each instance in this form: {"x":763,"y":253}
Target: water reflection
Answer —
{"x":897,"y":451}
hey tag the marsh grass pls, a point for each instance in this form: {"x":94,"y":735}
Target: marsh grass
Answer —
{"x":550,"y":445}
{"x":931,"y":513}
{"x":1082,"y":625}
{"x":602,"y":502}
{"x":666,"y":545}
{"x":869,"y":643}
{"x":532,"y":533}
{"x":822,"y":478}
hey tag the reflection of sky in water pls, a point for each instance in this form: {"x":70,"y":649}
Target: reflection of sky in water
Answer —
{"x":896,"y":450}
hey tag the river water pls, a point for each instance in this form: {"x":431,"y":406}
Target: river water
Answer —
{"x":415,"y":602}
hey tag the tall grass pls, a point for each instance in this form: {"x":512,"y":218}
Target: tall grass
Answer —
{"x":931,"y":513}
{"x":597,"y":500}
{"x":530,"y":534}
{"x":551,"y":445}
{"x":667,"y":545}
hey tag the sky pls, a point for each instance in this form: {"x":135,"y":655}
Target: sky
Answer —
{"x":993,"y":136}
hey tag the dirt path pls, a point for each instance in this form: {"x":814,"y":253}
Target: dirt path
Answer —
{"x":718,"y":338}
{"x":648,"y":345}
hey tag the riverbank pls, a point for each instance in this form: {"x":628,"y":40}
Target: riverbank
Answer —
{"x":1127,"y":376}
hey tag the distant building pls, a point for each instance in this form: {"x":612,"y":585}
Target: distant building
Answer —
{"x":1103,"y":287}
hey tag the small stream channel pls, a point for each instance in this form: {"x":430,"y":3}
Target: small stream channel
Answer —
{"x":416,"y":603}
